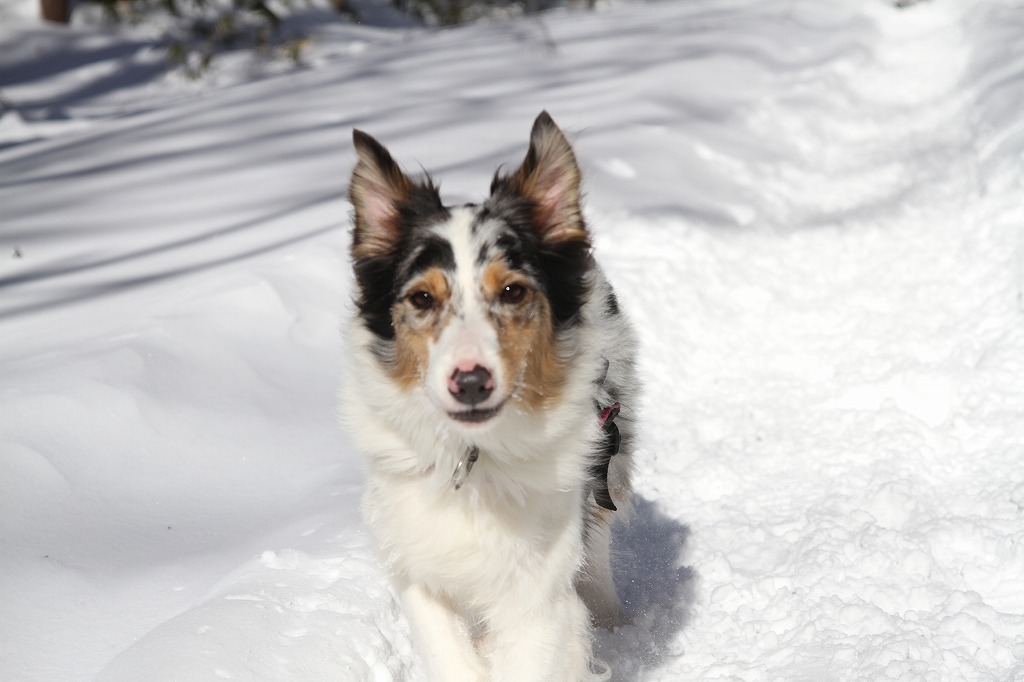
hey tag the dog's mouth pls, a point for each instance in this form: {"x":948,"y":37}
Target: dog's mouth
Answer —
{"x":476,"y":415}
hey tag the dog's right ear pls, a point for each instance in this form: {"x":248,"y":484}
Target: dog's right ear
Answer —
{"x":378,"y":190}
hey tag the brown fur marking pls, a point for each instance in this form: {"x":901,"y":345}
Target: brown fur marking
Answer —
{"x":415,"y":329}
{"x":526,"y":338}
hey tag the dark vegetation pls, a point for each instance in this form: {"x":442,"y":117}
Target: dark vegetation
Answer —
{"x":198,"y":30}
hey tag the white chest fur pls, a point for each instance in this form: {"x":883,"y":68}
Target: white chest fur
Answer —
{"x":467,"y":543}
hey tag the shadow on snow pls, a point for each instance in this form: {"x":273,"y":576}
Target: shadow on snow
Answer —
{"x":655,"y":589}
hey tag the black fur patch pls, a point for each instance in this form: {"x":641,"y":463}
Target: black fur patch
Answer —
{"x":376,"y":278}
{"x":379,"y":277}
{"x":430,"y":251}
{"x":612,"y":304}
{"x":560,"y":268}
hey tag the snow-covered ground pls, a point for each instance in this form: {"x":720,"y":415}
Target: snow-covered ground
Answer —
{"x":811,"y":210}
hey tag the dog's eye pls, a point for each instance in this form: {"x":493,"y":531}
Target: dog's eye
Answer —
{"x":421,"y":300}
{"x":512,"y":294}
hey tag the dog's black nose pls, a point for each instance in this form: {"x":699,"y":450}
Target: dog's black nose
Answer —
{"x":473,"y":387}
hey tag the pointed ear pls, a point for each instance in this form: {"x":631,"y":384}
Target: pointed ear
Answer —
{"x":550,"y":179}
{"x":378,"y":189}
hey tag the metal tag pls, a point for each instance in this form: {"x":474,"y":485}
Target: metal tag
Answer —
{"x":464,"y":466}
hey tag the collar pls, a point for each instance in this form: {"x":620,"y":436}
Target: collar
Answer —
{"x":598,"y":469}
{"x":612,"y":443}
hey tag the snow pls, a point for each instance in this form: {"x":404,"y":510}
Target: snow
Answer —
{"x":810,"y":210}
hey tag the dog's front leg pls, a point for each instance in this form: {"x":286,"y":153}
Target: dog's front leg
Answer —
{"x":441,"y":636}
{"x":550,"y":640}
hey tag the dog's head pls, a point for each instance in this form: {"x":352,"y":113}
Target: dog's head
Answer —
{"x":472,"y":305}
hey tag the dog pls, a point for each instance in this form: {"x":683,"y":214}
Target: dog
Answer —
{"x":493,"y":391}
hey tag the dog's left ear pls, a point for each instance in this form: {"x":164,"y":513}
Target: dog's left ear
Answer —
{"x":550,"y":179}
